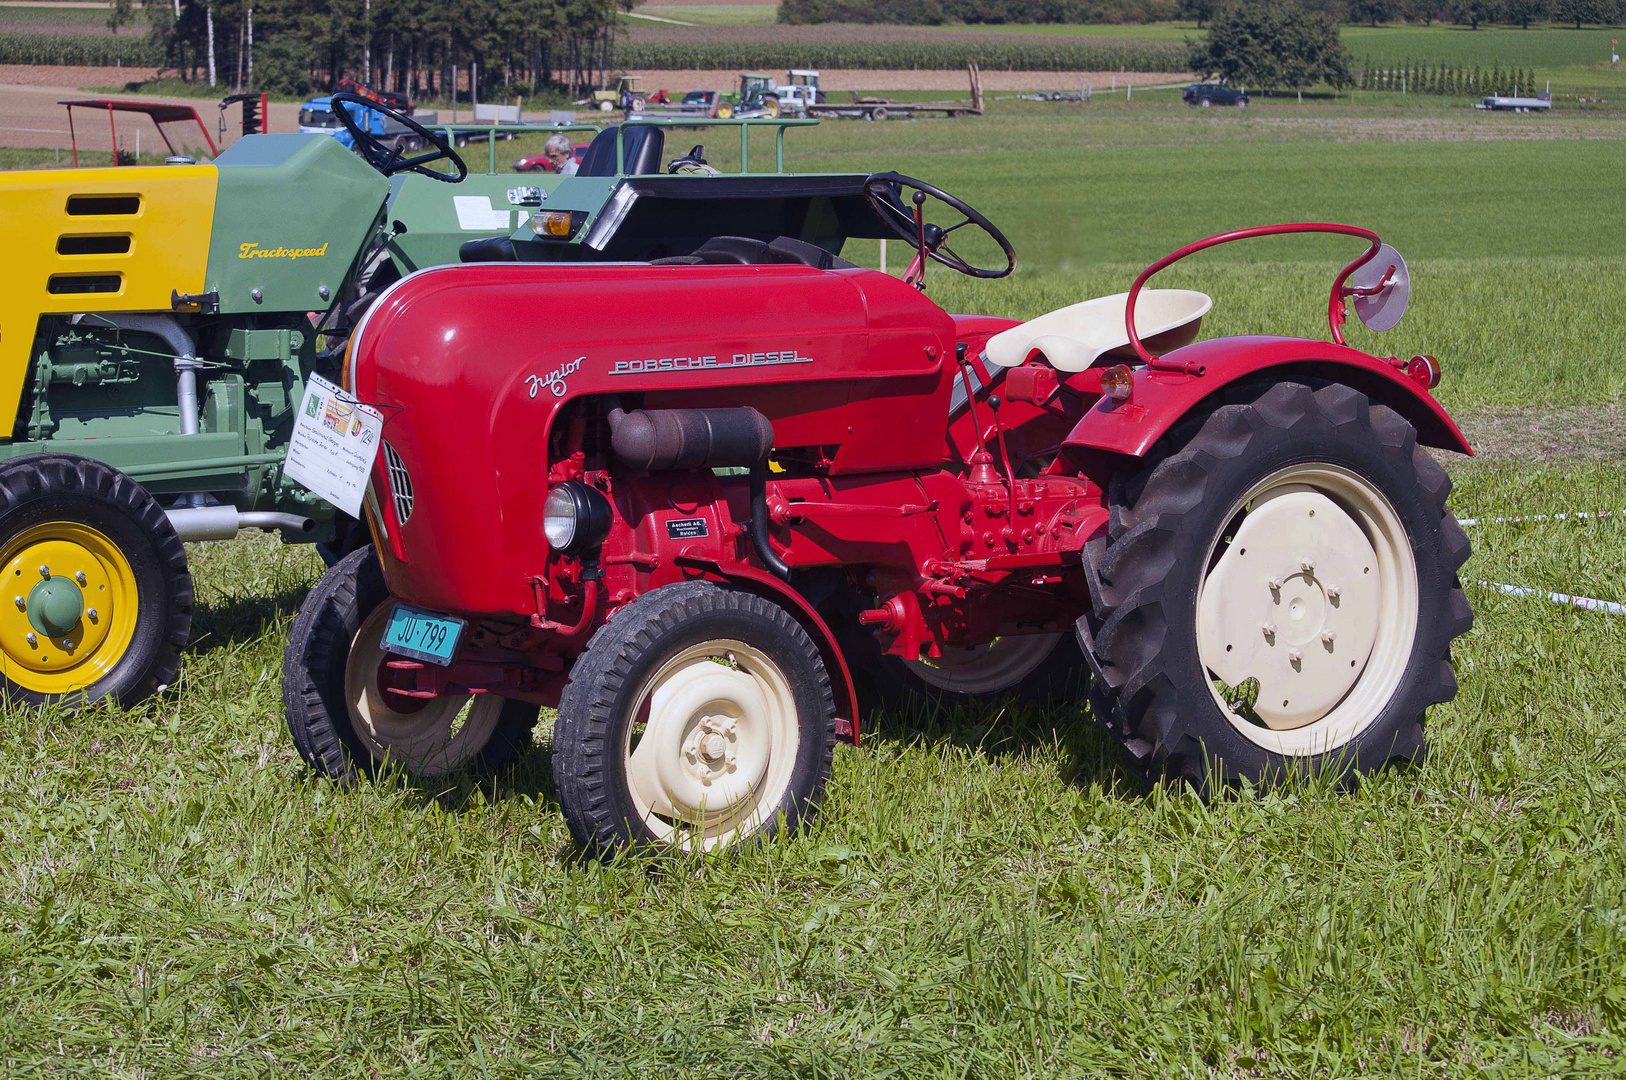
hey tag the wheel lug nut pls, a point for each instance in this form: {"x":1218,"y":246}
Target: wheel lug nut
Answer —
{"x":1276,"y":584}
{"x":91,"y":615}
{"x":1329,"y":636}
{"x":45,"y":571}
{"x":1307,"y":565}
{"x":22,"y":605}
{"x":31,"y":639}
{"x":1333,"y":592}
{"x":67,"y":643}
{"x":79,"y":577}
{"x":1294,"y":656}
{"x":1269,"y":628}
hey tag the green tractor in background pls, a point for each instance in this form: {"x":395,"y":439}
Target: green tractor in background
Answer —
{"x":755,"y":99}
{"x":160,"y":327}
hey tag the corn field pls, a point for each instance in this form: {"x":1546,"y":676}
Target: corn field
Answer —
{"x":679,"y":55}
{"x":1064,"y":55}
{"x":79,"y":50}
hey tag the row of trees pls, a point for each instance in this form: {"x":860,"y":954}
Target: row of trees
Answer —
{"x":409,"y":46}
{"x":1416,"y":77}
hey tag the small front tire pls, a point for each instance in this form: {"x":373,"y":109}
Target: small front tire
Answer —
{"x":98,"y":598}
{"x":343,"y":719}
{"x":700,"y":717}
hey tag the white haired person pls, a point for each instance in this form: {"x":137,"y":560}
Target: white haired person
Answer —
{"x":560,"y":154}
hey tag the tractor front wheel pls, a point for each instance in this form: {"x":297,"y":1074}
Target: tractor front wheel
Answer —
{"x":336,"y":696}
{"x":699,"y":717}
{"x":1277,"y":593}
{"x":97,"y":596}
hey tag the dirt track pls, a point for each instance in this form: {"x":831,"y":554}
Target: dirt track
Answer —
{"x":30,"y":115}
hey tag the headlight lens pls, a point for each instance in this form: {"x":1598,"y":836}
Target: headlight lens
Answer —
{"x":559,"y":518}
{"x":575,"y":517}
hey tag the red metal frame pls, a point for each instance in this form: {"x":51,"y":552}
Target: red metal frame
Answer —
{"x":160,"y":115}
{"x":1335,"y":303}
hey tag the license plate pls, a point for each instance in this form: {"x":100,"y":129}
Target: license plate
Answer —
{"x":422,"y":635}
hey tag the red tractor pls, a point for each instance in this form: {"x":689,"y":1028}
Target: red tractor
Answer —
{"x":754,"y":489}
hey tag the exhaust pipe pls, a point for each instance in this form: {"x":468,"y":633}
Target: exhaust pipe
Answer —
{"x":222,"y":522}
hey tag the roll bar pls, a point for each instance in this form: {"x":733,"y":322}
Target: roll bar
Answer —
{"x":1335,"y":302}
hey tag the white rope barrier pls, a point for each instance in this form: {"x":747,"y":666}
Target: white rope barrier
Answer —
{"x":1465,"y":522}
{"x":1585,"y":603}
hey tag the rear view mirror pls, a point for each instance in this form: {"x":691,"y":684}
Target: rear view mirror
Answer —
{"x":1380,"y":289}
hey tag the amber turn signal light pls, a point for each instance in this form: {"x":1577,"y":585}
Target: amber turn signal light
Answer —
{"x":551,"y":223}
{"x":1116,"y":382}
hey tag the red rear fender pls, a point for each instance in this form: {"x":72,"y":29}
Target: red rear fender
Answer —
{"x":1160,"y":398}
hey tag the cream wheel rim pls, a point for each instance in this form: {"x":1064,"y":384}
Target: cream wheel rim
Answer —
{"x":1313,"y":595}
{"x":438,"y":737}
{"x":712,"y":746}
{"x":986,"y":669}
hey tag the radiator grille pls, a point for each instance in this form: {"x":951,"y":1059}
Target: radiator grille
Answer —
{"x":400,"y":484}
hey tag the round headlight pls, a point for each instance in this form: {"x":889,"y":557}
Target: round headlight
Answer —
{"x":575,"y":517}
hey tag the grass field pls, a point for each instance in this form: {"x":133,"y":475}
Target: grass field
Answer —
{"x":984,"y":894}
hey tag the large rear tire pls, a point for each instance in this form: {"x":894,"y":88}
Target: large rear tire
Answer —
{"x":97,"y":596}
{"x":1240,"y":636}
{"x":344,"y":721}
{"x":701,"y":716}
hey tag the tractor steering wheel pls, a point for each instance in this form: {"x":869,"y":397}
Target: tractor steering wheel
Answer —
{"x":885,"y":191}
{"x":387,"y":159}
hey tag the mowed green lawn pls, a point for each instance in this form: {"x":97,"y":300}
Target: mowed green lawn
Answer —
{"x":984,"y":894}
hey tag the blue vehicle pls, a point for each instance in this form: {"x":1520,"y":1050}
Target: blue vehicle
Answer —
{"x":316,"y":117}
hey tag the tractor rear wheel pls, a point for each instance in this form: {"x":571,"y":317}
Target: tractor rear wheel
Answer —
{"x":344,"y":720}
{"x":699,"y":717}
{"x":1277,"y":593}
{"x":98,"y":598}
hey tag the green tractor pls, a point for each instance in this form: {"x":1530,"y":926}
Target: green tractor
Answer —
{"x":755,"y":99}
{"x":161,"y":328}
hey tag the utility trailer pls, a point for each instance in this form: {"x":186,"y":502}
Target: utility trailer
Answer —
{"x":1497,"y":103}
{"x":805,"y":101}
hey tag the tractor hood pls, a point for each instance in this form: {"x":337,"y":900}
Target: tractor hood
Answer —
{"x":474,"y":366}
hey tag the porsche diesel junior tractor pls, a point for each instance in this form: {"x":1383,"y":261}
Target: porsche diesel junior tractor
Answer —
{"x":745,"y":493}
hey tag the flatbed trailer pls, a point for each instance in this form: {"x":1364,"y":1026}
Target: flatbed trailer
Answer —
{"x":884,"y":109}
{"x":1497,"y":103}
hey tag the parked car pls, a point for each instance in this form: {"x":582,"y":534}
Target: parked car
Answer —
{"x":540,"y":162}
{"x":1206,"y":94}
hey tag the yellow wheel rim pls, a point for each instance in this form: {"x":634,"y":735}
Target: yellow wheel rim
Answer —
{"x":50,"y":561}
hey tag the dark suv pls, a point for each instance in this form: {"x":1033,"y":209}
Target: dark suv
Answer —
{"x":1206,"y":94}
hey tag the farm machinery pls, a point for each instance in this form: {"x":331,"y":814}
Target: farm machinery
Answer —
{"x":755,"y":490}
{"x":161,"y":328}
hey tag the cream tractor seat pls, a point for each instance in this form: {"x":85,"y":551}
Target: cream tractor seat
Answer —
{"x":1074,"y":337}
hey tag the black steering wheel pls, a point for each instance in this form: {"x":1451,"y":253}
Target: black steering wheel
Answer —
{"x":885,"y":194}
{"x":387,"y":159}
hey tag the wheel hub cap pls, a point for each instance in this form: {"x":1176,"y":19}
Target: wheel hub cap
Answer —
{"x":704,"y":749}
{"x":55,"y":606}
{"x":69,"y":606}
{"x":1294,"y":602}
